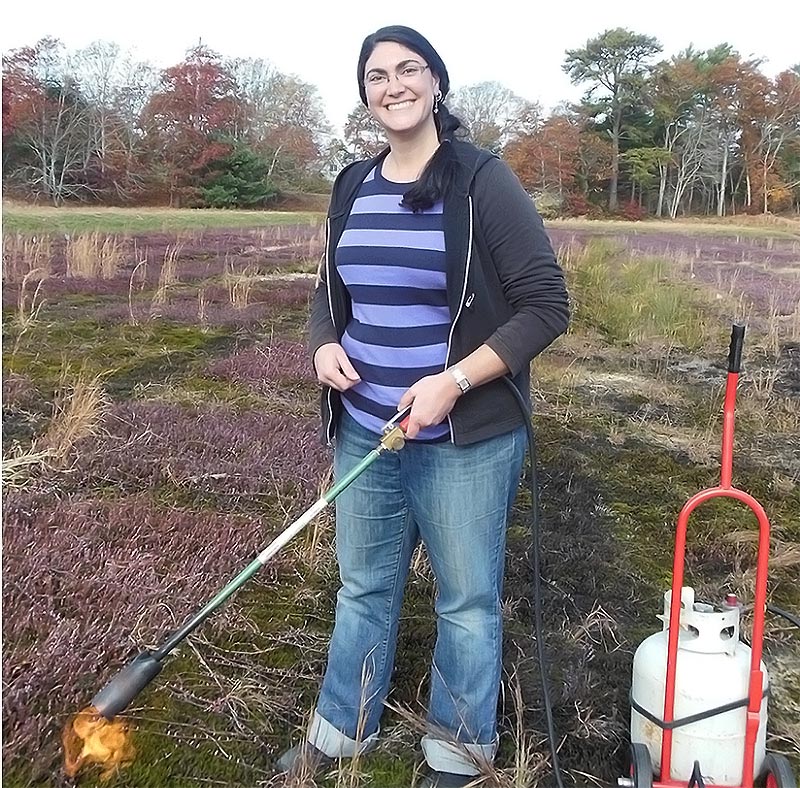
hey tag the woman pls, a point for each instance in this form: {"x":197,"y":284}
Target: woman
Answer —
{"x":439,"y":279}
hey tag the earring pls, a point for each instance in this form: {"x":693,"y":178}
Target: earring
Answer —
{"x":436,"y":101}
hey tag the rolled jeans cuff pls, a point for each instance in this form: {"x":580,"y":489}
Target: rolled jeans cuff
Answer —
{"x":334,"y":743}
{"x":461,"y":758}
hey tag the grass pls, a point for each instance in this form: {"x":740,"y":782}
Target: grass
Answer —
{"x":78,"y":409}
{"x":631,"y":299}
{"x":93,"y":256}
{"x":127,"y":355}
{"x":45,"y":219}
{"x":744,"y":226}
{"x":27,"y":219}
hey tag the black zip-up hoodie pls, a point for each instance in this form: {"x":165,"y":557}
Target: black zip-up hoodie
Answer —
{"x":504,"y":287}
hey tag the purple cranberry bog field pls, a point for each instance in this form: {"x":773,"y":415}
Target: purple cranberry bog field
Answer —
{"x":160,"y":428}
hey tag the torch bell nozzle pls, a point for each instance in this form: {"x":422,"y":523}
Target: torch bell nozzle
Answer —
{"x":117,"y":695}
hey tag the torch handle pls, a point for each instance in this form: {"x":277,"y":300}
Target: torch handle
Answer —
{"x":400,"y":419}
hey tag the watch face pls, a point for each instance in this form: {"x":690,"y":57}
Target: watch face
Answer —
{"x":461,"y":379}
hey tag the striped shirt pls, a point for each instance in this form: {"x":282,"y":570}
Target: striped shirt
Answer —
{"x":392,"y":262}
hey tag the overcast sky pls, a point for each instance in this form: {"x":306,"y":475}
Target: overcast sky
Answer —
{"x":319,"y":41}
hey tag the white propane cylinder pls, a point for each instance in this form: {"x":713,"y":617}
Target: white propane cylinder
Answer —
{"x":713,"y":669}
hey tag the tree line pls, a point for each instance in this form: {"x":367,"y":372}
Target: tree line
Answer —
{"x":703,"y":132}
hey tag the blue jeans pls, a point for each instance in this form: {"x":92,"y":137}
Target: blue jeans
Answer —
{"x":456,"y":499}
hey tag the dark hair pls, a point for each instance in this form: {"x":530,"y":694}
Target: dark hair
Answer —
{"x":440,"y":172}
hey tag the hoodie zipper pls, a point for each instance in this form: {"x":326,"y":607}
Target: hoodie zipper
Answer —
{"x":329,"y":393}
{"x":461,"y":303}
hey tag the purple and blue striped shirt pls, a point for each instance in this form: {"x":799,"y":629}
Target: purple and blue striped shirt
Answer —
{"x":392,"y":262}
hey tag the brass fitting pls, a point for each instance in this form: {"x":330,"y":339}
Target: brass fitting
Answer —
{"x":394,"y":439}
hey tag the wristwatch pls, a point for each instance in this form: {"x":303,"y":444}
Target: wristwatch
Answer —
{"x":461,"y":379}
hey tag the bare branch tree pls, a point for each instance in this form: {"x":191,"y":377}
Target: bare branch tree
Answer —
{"x":493,"y":114}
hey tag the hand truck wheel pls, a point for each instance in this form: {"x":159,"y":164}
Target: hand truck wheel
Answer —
{"x":642,"y":767}
{"x":778,"y":772}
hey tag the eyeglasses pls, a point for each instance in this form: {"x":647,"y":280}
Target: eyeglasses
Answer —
{"x":405,"y":73}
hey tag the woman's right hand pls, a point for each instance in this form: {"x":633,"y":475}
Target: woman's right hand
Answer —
{"x":334,"y":368}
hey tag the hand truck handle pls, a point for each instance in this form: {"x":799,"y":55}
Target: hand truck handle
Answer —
{"x":735,"y":353}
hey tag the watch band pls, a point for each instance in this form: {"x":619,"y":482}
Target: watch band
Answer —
{"x":461,"y":379}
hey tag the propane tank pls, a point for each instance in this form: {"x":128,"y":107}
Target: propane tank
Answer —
{"x":713,"y":669}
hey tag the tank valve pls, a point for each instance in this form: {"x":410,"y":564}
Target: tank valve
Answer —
{"x":731,"y":602}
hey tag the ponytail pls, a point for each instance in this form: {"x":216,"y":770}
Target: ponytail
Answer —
{"x":440,"y":172}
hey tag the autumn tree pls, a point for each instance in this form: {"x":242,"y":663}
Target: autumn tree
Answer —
{"x":563,"y":162}
{"x":116,"y":88}
{"x":190,"y":120}
{"x":770,"y":123}
{"x":546,"y":160}
{"x":46,"y":118}
{"x":283,"y":121}
{"x":614,"y":62}
{"x":722,"y":151}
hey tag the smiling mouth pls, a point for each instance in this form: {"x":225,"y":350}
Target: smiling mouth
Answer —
{"x":399,"y":105}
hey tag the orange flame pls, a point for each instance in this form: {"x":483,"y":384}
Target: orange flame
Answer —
{"x":89,"y":738}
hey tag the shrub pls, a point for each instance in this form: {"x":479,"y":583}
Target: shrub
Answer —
{"x":632,"y":298}
{"x":549,"y":204}
{"x":202,"y":451}
{"x":239,"y":180}
{"x":87,"y":584}
{"x":578,"y":205}
{"x":261,"y":366}
{"x":632,"y":211}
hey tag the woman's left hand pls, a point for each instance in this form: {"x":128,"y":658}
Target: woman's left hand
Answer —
{"x":433,"y":397}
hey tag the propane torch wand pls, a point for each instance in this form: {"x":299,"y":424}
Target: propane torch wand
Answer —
{"x":117,"y":695}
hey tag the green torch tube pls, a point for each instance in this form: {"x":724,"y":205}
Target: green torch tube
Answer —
{"x":123,"y":688}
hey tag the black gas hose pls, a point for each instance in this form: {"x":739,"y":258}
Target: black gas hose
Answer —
{"x":535,"y":529}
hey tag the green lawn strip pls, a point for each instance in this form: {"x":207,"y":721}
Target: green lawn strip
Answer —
{"x":40,"y":219}
{"x":29,"y":220}
{"x":679,"y":227}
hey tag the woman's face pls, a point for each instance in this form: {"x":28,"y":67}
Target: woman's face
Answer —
{"x":400,"y":88}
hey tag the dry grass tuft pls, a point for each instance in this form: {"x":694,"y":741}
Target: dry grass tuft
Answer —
{"x":239,"y":284}
{"x":78,"y":411}
{"x":94,"y":256}
{"x":23,"y":254}
{"x":131,"y":284}
{"x":168,"y":276}
{"x":20,"y":466}
{"x":28,"y":307}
